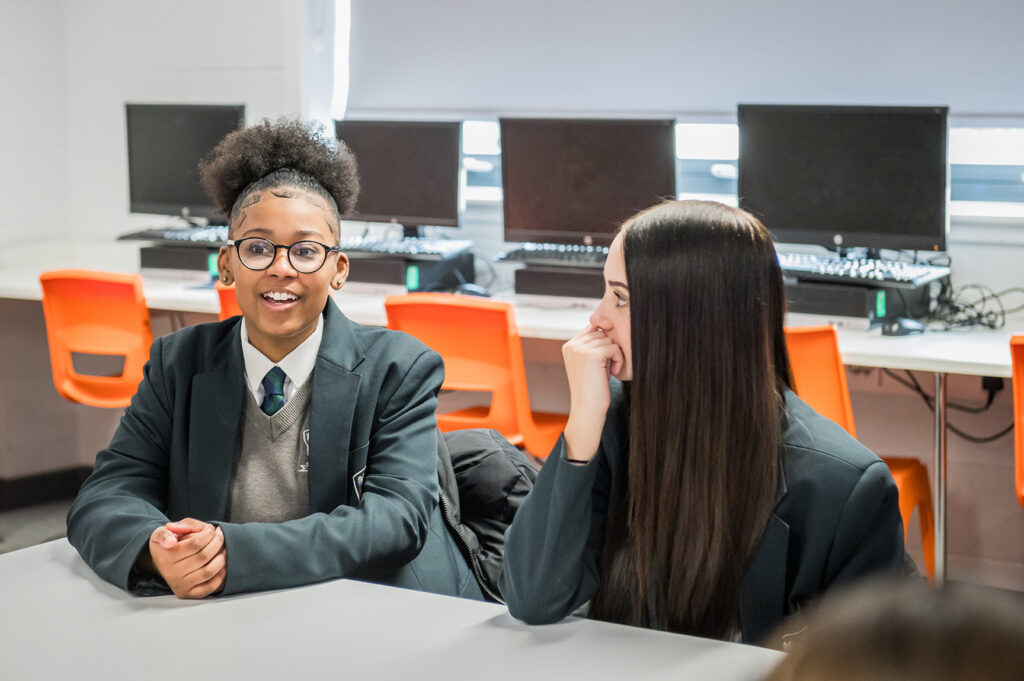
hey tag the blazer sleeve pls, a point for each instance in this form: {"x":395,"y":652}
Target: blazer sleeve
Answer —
{"x":120,"y":503}
{"x":389,"y":526}
{"x":554,"y":543}
{"x":869,"y":538}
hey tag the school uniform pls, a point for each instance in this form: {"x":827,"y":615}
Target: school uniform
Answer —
{"x":372,"y":466}
{"x":836,"y":519}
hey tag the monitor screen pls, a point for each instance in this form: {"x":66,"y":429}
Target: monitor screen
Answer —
{"x":844,"y":176}
{"x":408,"y":171}
{"x":165,"y":144}
{"x":575,"y":181}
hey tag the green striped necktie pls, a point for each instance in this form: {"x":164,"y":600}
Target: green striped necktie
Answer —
{"x":273,"y":391}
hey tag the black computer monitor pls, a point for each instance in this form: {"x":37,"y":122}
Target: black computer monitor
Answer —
{"x":575,"y":181}
{"x":408,"y":171}
{"x":846,"y":176}
{"x":165,"y":144}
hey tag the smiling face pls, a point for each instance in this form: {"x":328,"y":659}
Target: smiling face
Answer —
{"x":280,"y":305}
{"x":612,"y":313}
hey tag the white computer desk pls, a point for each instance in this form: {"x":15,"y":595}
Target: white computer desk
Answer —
{"x":60,"y":621}
{"x":977,"y":352}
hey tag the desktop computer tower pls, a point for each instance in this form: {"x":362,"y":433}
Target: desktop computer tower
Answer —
{"x":573,"y":282}
{"x":187,"y":262}
{"x":873,"y":305}
{"x":415,"y":274}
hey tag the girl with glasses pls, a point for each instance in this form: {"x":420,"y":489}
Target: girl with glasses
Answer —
{"x":287,"y":446}
{"x":692,"y":490}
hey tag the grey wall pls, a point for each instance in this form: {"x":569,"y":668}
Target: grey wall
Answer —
{"x":683,"y":55}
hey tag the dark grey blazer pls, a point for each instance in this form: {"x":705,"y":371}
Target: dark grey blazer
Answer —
{"x":373,"y":484}
{"x":836,"y":519}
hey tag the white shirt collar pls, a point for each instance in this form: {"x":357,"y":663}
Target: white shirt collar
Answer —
{"x":297,"y":364}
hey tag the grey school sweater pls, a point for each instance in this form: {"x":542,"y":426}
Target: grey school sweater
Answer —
{"x":272,"y":462}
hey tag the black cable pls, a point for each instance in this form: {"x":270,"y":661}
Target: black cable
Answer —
{"x":191,"y":221}
{"x":491,"y":270}
{"x":981,"y":440}
{"x":930,"y":402}
{"x":1016,"y":289}
{"x":914,"y":385}
{"x":971,"y":305}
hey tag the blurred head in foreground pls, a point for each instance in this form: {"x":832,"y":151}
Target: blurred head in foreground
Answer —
{"x":911,"y":632}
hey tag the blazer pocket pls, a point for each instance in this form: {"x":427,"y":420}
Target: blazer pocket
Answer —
{"x":357,"y":470}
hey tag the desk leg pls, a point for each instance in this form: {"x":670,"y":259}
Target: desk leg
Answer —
{"x":940,"y":478}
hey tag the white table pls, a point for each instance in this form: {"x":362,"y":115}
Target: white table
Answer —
{"x":60,"y":621}
{"x":976,"y":352}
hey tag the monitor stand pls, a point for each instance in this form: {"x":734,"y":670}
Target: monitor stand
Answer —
{"x":412,"y":231}
{"x":870,"y":253}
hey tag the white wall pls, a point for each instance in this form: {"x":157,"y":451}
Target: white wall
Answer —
{"x":191,"y":51}
{"x":33,"y":120}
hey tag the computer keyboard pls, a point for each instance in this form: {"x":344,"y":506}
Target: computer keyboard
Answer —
{"x":862,"y":271}
{"x":558,"y":255}
{"x":217,"y":235}
{"x":415,"y":247}
{"x":214,"y":235}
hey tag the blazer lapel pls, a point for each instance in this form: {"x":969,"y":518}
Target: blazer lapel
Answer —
{"x":763,"y":591}
{"x":335,"y":389}
{"x":215,"y":417}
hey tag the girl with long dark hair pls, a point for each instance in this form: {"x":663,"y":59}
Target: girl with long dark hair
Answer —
{"x":692,"y":490}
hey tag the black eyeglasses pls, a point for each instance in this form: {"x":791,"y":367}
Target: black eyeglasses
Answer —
{"x":258,"y":253}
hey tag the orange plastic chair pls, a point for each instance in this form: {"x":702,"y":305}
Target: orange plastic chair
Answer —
{"x":480,"y":344}
{"x":1017,"y":355}
{"x":819,"y":378}
{"x":228,"y":301}
{"x":96,"y":313}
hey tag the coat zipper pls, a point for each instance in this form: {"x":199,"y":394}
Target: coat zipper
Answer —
{"x":474,"y":562}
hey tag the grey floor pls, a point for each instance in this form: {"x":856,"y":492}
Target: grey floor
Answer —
{"x":31,"y":525}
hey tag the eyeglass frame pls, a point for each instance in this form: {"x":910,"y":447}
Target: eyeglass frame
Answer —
{"x":287,"y":252}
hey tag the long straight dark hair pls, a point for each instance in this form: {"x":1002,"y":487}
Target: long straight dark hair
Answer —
{"x":705,"y":417}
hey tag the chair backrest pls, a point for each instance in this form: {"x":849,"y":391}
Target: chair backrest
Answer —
{"x":96,"y":313}
{"x":479,"y":342}
{"x":819,"y":377}
{"x":1017,"y":355}
{"x":228,"y":301}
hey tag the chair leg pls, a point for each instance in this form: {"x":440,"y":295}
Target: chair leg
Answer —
{"x":911,"y":478}
{"x":924,"y":513}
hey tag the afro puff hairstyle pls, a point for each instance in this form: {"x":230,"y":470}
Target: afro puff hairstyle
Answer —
{"x":285,"y":153}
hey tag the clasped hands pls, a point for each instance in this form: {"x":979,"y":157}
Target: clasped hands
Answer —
{"x":190,"y":555}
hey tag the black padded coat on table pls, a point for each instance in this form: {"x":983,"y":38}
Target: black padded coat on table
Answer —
{"x":836,"y":519}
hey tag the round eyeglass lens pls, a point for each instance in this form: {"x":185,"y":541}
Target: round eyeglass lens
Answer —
{"x":256,"y":253}
{"x":306,"y":256}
